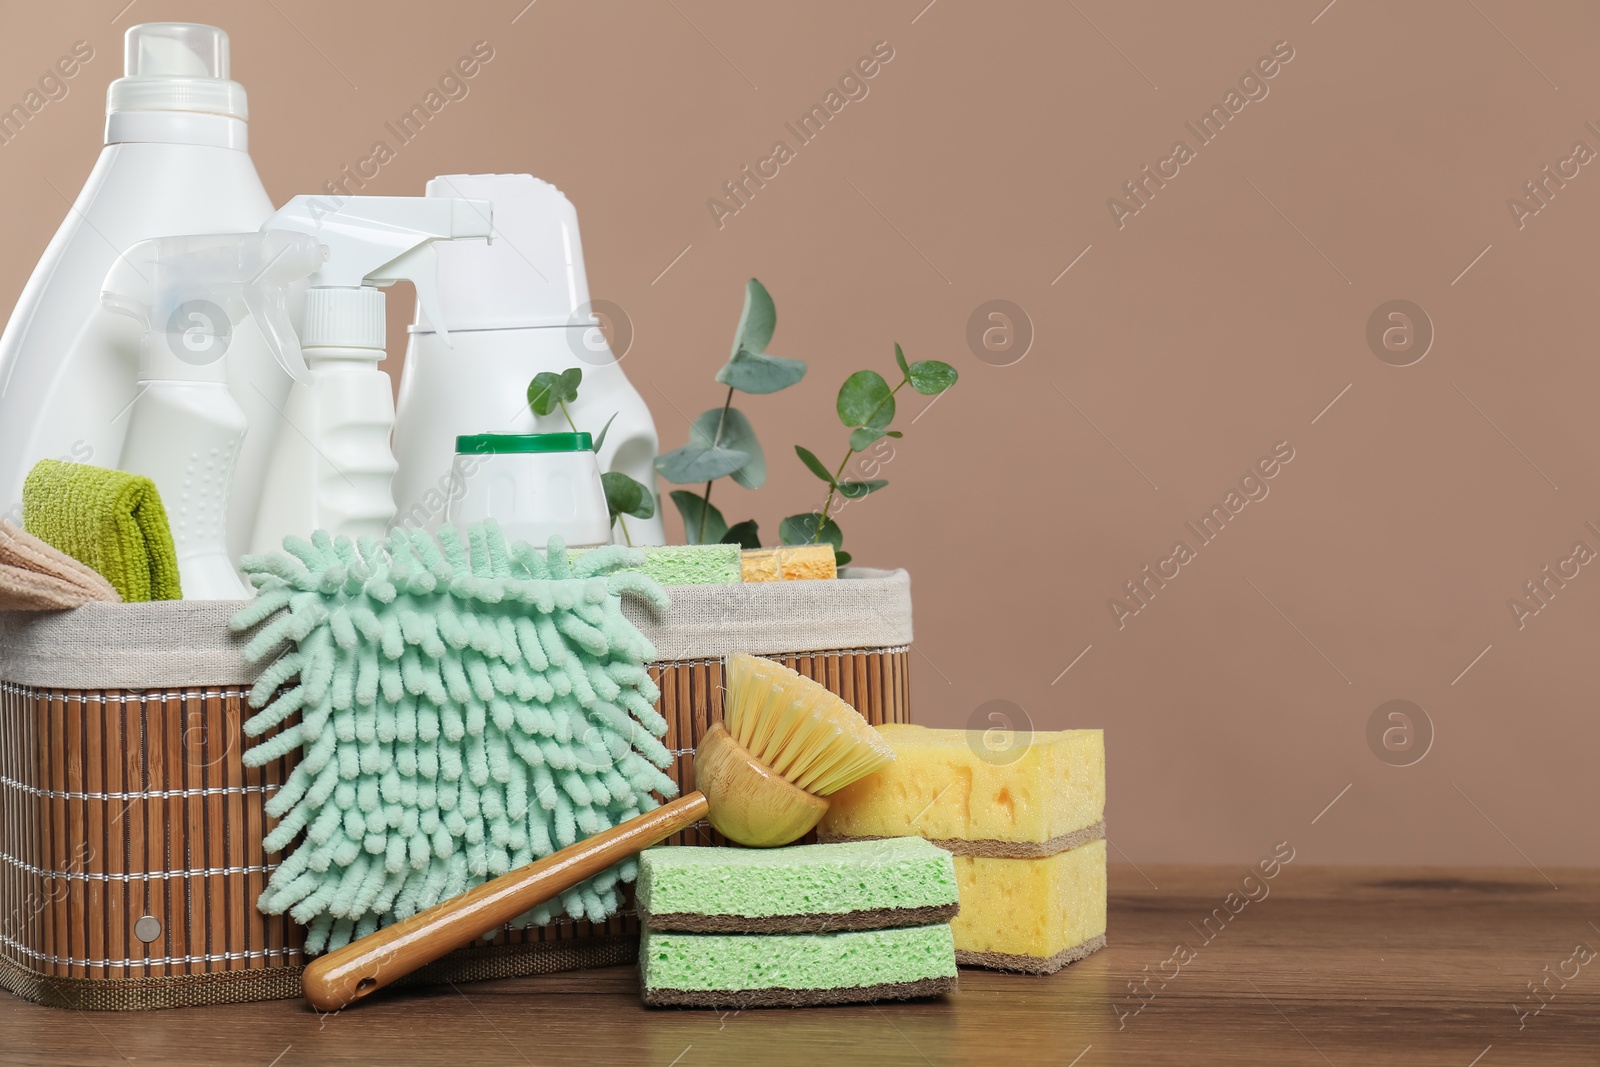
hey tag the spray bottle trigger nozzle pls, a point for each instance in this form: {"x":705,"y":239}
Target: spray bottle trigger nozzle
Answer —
{"x":125,"y":305}
{"x":277,"y":330}
{"x":212,"y":280}
{"x":419,"y":265}
{"x":428,"y":301}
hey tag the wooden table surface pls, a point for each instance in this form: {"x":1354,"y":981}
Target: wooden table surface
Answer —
{"x":1333,"y":966}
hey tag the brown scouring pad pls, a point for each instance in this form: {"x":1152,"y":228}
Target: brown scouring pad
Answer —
{"x":1012,"y":961}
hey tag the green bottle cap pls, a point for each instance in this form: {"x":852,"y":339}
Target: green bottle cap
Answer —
{"x":502,"y":443}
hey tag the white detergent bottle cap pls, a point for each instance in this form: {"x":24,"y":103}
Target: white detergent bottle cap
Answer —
{"x":176,"y":66}
{"x":190,"y":292}
{"x":532,"y":274}
{"x":373,"y":242}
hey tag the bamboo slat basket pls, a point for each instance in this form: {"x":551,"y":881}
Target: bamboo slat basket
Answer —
{"x":130,"y":830}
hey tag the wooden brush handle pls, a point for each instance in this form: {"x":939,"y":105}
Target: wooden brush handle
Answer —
{"x":345,"y":975}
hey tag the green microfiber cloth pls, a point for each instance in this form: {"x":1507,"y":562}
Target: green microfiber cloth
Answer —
{"x":689,"y":564}
{"x":458,"y":717}
{"x":796,"y":970}
{"x":899,"y":881}
{"x":109,"y":520}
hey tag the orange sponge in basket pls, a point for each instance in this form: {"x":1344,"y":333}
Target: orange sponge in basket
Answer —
{"x":789,"y":563}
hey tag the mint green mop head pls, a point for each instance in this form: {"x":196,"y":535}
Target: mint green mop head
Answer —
{"x":457,"y":719}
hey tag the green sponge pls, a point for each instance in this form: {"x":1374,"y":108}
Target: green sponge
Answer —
{"x":857,"y":885}
{"x":795,"y":970}
{"x":687,"y":564}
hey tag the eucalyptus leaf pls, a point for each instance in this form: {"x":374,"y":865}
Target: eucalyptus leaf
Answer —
{"x":694,"y":509}
{"x":744,"y":534}
{"x":861,"y":440}
{"x":802,"y":530}
{"x":624,"y":496}
{"x":857,"y":490}
{"x":900,"y":360}
{"x":760,"y":373}
{"x":737,"y":434}
{"x":750,"y":369}
{"x":841,"y":557}
{"x":757,"y":321}
{"x":930,"y":377}
{"x":601,"y":440}
{"x":813,"y":464}
{"x":697,"y":463}
{"x":544,"y":392}
{"x":866,"y":400}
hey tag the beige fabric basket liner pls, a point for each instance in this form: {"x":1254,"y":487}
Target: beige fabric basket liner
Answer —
{"x":170,"y":644}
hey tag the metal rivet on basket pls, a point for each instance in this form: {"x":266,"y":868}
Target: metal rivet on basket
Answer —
{"x":147,"y":929}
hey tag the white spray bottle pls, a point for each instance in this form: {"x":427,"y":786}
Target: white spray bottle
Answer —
{"x":189,"y":295}
{"x":516,"y":307}
{"x":175,"y":161}
{"x":333,"y":468}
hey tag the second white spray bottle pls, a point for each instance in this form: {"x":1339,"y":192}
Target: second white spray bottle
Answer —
{"x":333,"y":466}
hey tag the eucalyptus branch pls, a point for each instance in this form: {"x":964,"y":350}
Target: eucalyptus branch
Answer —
{"x":722,"y":441}
{"x":866,"y":406}
{"x":716,"y":442}
{"x":833,"y":486}
{"x":568,"y":414}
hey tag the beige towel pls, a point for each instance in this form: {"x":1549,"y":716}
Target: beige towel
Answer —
{"x":36,"y":577}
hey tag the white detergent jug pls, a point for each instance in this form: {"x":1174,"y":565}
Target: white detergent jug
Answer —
{"x":175,"y":162}
{"x":515,"y":307}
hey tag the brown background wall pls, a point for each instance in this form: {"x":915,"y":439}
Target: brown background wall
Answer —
{"x":1224,"y":318}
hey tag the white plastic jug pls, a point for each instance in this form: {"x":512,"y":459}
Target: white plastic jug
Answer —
{"x":513,"y":308}
{"x":175,"y":162}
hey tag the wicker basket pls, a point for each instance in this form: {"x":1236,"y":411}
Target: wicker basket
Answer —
{"x":130,"y":830}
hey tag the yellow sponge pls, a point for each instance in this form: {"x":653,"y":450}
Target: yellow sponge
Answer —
{"x":1034,"y":915}
{"x":985,"y":793}
{"x":789,"y":563}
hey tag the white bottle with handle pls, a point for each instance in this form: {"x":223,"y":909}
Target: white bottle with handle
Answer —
{"x":333,"y":467}
{"x":515,"y":307}
{"x":191,"y":296}
{"x":175,"y":162}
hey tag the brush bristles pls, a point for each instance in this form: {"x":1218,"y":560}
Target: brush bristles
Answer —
{"x":797,"y":727}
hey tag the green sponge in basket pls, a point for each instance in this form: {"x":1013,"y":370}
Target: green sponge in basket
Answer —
{"x":796,"y":970}
{"x":687,"y":564}
{"x":857,"y":885}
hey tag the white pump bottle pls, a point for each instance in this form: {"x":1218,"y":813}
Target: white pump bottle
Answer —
{"x":175,"y":162}
{"x":333,"y":468}
{"x":189,"y":294}
{"x":516,"y":307}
